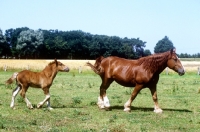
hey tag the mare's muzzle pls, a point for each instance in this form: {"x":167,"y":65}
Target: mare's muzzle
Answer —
{"x":181,"y":72}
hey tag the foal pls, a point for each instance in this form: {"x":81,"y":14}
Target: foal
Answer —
{"x":41,"y":79}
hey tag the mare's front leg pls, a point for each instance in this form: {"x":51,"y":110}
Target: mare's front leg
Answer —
{"x":127,"y":105}
{"x":47,"y":99}
{"x":103,"y":101}
{"x":14,"y":94}
{"x":157,"y":109}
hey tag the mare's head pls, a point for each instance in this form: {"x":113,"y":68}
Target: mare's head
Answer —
{"x":174,"y":63}
{"x":60,"y":66}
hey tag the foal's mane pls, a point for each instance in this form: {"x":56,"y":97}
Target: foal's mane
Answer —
{"x":50,"y":63}
{"x":154,"y":62}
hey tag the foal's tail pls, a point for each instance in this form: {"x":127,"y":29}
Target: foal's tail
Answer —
{"x":12,"y":78}
{"x":96,"y":67}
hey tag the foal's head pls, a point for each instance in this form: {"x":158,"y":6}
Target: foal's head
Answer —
{"x":60,"y":66}
{"x":174,"y":63}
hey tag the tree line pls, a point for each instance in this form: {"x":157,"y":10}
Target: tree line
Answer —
{"x":26,"y":43}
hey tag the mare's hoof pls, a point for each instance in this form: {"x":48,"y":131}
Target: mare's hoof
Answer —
{"x":107,"y":109}
{"x":158,"y":110}
{"x":101,"y":106}
{"x":104,"y":108}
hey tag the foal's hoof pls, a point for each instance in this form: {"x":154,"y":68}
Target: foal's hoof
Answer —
{"x":127,"y":109}
{"x":158,"y":110}
{"x":39,"y":106}
{"x":13,"y":108}
{"x":50,"y":108}
{"x":30,"y":108}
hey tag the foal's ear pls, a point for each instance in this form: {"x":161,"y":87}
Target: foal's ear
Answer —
{"x":56,"y":61}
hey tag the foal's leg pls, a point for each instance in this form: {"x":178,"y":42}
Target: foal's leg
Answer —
{"x":49,"y":104}
{"x":14,"y":94}
{"x":103,"y":101}
{"x":157,"y":109}
{"x":47,"y":99}
{"x":23,"y":94}
{"x":127,"y":105}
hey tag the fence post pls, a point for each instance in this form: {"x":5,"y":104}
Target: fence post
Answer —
{"x":5,"y":67}
{"x":167,"y":71}
{"x":80,"y":69}
{"x":27,"y":67}
{"x":198,"y":72}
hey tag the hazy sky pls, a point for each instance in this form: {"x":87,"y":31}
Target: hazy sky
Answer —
{"x":149,"y":20}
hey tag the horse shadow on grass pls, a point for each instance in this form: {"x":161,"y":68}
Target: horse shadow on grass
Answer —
{"x":58,"y":106}
{"x":146,"y":109}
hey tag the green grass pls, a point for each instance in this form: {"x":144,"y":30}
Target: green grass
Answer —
{"x":74,"y":97}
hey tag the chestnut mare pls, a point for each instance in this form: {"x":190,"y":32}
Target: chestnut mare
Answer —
{"x":140,"y":74}
{"x":41,"y":79}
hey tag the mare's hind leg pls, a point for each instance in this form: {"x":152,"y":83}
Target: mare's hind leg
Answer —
{"x":23,"y":94}
{"x":157,"y":109}
{"x":103,"y":101}
{"x":127,"y":105}
{"x":47,"y":99}
{"x":14,"y":94}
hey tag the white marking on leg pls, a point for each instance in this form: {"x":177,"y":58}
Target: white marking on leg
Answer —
{"x":127,"y":106}
{"x":48,"y":104}
{"x":157,"y":109}
{"x":14,"y":94}
{"x":106,"y":102}
{"x":28,"y":103}
{"x":41,"y":103}
{"x":100,"y":103}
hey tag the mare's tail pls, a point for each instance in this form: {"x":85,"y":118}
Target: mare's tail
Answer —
{"x":12,"y":78}
{"x":96,"y":67}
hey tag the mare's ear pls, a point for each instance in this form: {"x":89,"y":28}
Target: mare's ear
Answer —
{"x":173,"y":50}
{"x":56,"y":61}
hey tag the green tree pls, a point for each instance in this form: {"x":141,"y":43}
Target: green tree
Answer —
{"x":11,"y":38}
{"x":28,"y":43}
{"x":4,"y":47}
{"x":147,"y":52}
{"x":163,"y":45}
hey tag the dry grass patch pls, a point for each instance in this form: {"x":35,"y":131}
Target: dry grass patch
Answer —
{"x":191,"y":65}
{"x":40,"y":64}
{"x":72,"y":64}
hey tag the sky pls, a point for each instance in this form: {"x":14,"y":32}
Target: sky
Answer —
{"x":148,"y":20}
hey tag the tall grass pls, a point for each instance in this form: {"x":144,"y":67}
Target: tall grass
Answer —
{"x":74,"y":97}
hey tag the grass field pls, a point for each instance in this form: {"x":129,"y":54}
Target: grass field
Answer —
{"x":74,"y":97}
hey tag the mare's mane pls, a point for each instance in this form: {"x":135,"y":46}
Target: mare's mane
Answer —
{"x":154,"y":62}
